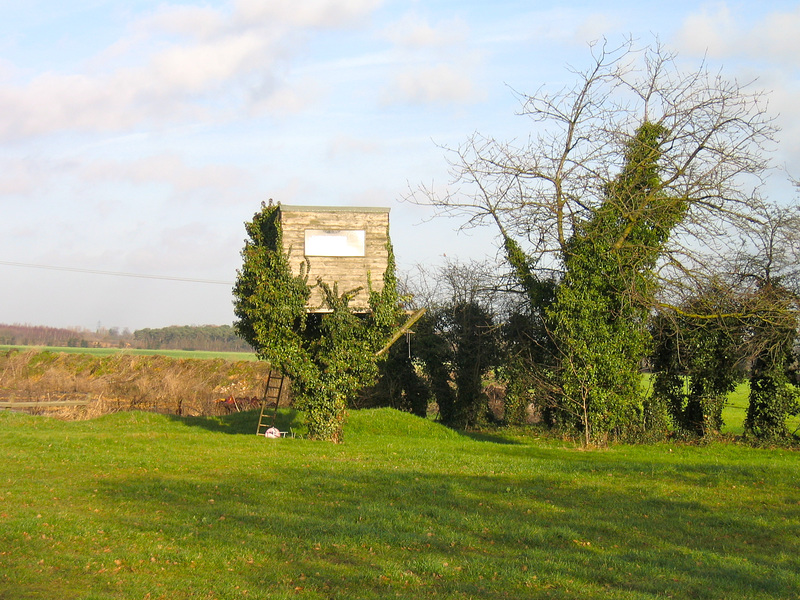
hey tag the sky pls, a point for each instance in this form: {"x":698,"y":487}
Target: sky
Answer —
{"x":137,"y":136}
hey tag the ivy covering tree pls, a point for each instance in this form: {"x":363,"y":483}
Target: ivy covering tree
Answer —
{"x":741,"y":322}
{"x":457,"y":345}
{"x":698,"y":359}
{"x":772,"y":397}
{"x":626,"y":178}
{"x":602,"y":304}
{"x":328,"y":356}
{"x":771,"y":266}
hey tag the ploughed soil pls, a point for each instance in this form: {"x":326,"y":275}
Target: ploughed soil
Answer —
{"x":121,"y":382}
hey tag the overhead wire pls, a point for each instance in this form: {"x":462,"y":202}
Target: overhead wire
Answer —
{"x":113,"y":273}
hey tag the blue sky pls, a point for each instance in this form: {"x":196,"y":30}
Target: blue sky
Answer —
{"x":138,"y":136}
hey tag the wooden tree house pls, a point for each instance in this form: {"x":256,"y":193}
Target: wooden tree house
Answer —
{"x":346,"y":245}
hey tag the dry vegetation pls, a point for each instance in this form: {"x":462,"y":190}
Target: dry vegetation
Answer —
{"x":123,"y":382}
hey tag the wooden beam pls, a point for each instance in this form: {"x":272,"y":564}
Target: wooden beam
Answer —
{"x":415,"y":316}
{"x":43,"y":404}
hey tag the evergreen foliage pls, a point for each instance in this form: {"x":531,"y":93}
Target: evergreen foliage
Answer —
{"x":599,"y":315}
{"x":527,"y":346}
{"x":400,"y":385}
{"x":698,"y":359}
{"x":705,"y":347}
{"x":526,"y":366}
{"x":458,"y":346}
{"x":772,"y":397}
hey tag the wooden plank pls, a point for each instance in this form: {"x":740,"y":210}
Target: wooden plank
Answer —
{"x":349,"y":272}
{"x":416,"y":316}
{"x":46,"y":404}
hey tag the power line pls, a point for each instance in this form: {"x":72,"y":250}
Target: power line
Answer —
{"x":113,"y":273}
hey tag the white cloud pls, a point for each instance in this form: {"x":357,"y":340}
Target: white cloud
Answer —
{"x":305,"y":13}
{"x":193,"y":21}
{"x":175,"y":65}
{"x":195,"y":69}
{"x":170,"y":170}
{"x":415,"y":32}
{"x":715,"y":31}
{"x":434,"y":63}
{"x":346,"y":147}
{"x":778,"y":34}
{"x":709,"y":31}
{"x":284,"y":99}
{"x":442,"y":83}
{"x":31,"y":176}
{"x":20,"y":177}
{"x":194,"y":245}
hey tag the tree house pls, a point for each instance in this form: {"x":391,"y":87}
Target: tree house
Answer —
{"x":340,"y":244}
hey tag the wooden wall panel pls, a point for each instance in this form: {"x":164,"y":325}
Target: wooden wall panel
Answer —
{"x":351,"y":271}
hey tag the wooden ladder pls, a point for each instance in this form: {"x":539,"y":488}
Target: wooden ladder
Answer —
{"x":272,"y":393}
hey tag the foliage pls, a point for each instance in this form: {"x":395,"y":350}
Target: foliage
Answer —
{"x":457,"y":346}
{"x":526,"y":365}
{"x":270,"y":301}
{"x":772,"y":400}
{"x":598,"y":316}
{"x":192,"y":337}
{"x":400,"y":384}
{"x":528,"y":352}
{"x":329,"y":356}
{"x":341,"y":350}
{"x":469,"y":331}
{"x":436,"y":356}
{"x":744,"y":318}
{"x":698,"y":359}
{"x":772,"y":397}
{"x":768,"y":269}
{"x":456,"y":342}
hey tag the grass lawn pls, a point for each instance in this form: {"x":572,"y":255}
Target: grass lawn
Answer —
{"x":139,"y":505}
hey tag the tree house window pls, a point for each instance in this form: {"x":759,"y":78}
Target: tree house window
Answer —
{"x":339,"y":243}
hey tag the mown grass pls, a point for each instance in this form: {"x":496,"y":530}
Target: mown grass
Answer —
{"x":198,"y":354}
{"x":138,"y":505}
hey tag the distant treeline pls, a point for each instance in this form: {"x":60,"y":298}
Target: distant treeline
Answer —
{"x":217,"y":338}
{"x":29,"y":335}
{"x":191,"y":337}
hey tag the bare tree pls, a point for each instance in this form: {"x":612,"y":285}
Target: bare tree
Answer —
{"x":636,"y":145}
{"x":717,"y":134}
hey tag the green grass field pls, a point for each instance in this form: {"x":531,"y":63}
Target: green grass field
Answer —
{"x":138,"y":505}
{"x":199,"y":354}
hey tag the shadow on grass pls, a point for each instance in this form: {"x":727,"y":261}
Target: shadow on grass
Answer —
{"x":494,"y":438}
{"x":243,"y":423}
{"x":353,"y":528}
